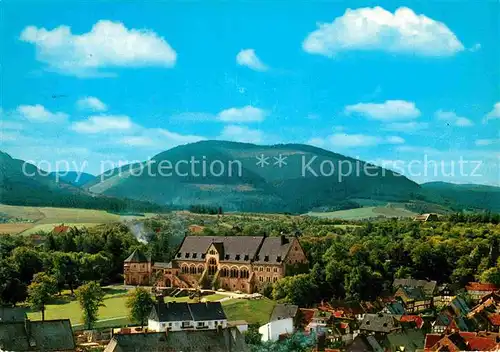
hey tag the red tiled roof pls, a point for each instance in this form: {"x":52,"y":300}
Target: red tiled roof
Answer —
{"x":344,"y":325}
{"x":481,"y":343}
{"x":432,"y":339}
{"x":494,"y":319}
{"x":478,"y":286}
{"x":415,"y":318}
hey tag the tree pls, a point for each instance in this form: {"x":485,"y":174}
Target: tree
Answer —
{"x":41,"y":290}
{"x":252,"y":335}
{"x":140,"y":303}
{"x":91,"y":297}
{"x":492,"y":276}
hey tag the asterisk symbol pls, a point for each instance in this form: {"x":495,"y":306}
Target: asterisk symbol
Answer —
{"x":262,"y":160}
{"x":280,"y":160}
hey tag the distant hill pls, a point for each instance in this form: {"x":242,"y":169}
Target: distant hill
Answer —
{"x":293,"y":187}
{"x":23,"y":184}
{"x":463,"y":196}
{"x":73,"y":177}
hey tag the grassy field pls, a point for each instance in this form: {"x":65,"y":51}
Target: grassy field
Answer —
{"x":45,"y":218}
{"x":114,"y":311}
{"x":256,"y":311}
{"x":390,"y":210}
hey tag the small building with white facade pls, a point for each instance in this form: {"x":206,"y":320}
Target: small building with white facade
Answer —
{"x":173,"y":316}
{"x":272,"y":330}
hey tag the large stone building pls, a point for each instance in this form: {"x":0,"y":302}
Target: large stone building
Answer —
{"x":236,"y":263}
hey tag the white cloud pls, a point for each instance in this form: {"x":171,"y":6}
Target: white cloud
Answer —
{"x":317,"y":142}
{"x":493,"y":114}
{"x":91,"y":103}
{"x":390,"y":110}
{"x":453,"y":118}
{"x":378,"y":29}
{"x":409,"y":127}
{"x":107,"y":44}
{"x":484,"y":142}
{"x":395,"y":140}
{"x":38,"y":113}
{"x":241,"y":134}
{"x":248,"y":58}
{"x":103,"y":123}
{"x":137,"y":141}
{"x":244,"y":114}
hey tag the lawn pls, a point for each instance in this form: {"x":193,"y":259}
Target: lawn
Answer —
{"x":257,"y":311}
{"x":392,"y":210}
{"x":114,"y":312}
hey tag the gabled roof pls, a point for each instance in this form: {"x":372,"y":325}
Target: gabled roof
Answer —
{"x":207,"y":311}
{"x":419,"y":322}
{"x":274,"y":250}
{"x":228,"y":340}
{"x":245,"y":246}
{"x":414,"y":293}
{"x":60,"y":229}
{"x":184,"y":311}
{"x":48,"y":335}
{"x":283,"y":311}
{"x":137,"y":257}
{"x":395,"y":308}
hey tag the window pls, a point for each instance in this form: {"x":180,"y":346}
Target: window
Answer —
{"x":268,"y":279}
{"x":261,"y":278}
{"x":195,"y":255}
{"x":278,"y":259}
{"x":186,"y":255}
{"x":212,"y":252}
{"x":275,"y":270}
{"x":237,"y":257}
{"x":244,"y":274}
{"x":200,"y":269}
{"x":266,"y":258}
{"x":224,"y":272}
{"x":178,"y":255}
{"x":275,"y":279}
{"x":268,"y":269}
{"x":169,"y":325}
{"x":234,"y":272}
{"x":202,"y":255}
{"x":246,"y":257}
{"x":227,"y":256}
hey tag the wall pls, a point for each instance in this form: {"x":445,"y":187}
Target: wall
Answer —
{"x":272,"y":331}
{"x":177,"y":325}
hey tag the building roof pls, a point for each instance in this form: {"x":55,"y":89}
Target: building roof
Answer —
{"x":48,"y":335}
{"x":137,"y":257}
{"x":494,"y":319}
{"x":414,"y":293}
{"x":283,"y":311}
{"x":384,"y":323}
{"x":427,"y":286}
{"x":207,"y":311}
{"x":193,"y":248}
{"x":12,"y":314}
{"x":477,"y":286}
{"x":162,"y":265}
{"x":225,"y":340}
{"x":363,"y":343}
{"x":419,"y":322}
{"x":395,"y":308}
{"x":274,"y":250}
{"x":410,"y":339}
{"x":184,"y":311}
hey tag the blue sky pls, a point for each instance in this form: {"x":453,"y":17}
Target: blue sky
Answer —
{"x":382,"y":81}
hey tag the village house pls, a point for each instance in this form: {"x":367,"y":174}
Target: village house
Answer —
{"x":477,"y":290}
{"x":461,"y":341}
{"x":173,"y":316}
{"x":380,"y":324}
{"x":444,"y":295}
{"x":414,"y":299}
{"x":236,"y":263}
{"x":428,"y":287}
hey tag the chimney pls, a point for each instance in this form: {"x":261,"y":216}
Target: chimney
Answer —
{"x":284,"y":240}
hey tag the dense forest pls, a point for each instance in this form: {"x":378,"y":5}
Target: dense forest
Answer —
{"x":348,"y":260}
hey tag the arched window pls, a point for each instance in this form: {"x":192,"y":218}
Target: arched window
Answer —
{"x":244,"y":273}
{"x":234,"y":272}
{"x":212,"y":266}
{"x":192,"y":269}
{"x":184,"y":269}
{"x":224,"y":272}
{"x":200,"y":269}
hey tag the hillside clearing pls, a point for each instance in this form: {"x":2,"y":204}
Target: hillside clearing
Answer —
{"x":365,"y":213}
{"x":253,"y":311}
